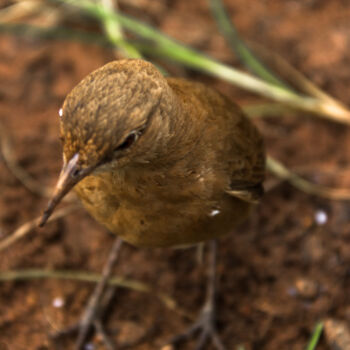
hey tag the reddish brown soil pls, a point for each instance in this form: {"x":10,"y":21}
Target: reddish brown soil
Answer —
{"x":265,"y":266}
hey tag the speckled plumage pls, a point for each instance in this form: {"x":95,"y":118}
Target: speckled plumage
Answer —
{"x":195,"y":154}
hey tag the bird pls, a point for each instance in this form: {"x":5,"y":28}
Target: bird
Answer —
{"x":159,"y":161}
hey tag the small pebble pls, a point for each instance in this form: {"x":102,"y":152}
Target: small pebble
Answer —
{"x":321,"y":217}
{"x":306,"y":288}
{"x":58,"y":302}
{"x":168,"y":347}
{"x":89,"y":346}
{"x":292,"y":291}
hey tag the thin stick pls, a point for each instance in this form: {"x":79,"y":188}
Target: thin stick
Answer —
{"x":17,"y":11}
{"x":11,"y":162}
{"x":24,"y":229}
{"x":92,"y":308}
{"x":31,"y":274}
{"x":293,"y":75}
{"x":282,"y":172}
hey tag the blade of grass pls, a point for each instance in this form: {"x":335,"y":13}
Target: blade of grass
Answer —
{"x":168,"y":48}
{"x":282,"y":172}
{"x":27,"y":227}
{"x":291,"y":74}
{"x":17,"y":11}
{"x":231,"y":35}
{"x":115,"y":34}
{"x":83,"y":276}
{"x":315,"y":336}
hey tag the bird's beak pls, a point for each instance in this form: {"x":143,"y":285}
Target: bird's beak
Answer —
{"x":70,"y":175}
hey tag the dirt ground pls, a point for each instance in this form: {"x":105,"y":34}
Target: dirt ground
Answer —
{"x":280,"y":272}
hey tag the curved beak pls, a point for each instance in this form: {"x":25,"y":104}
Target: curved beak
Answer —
{"x":70,"y":175}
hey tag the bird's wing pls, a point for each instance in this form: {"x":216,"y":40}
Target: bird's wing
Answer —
{"x":249,"y":193}
{"x":248,"y":162}
{"x":243,"y":154}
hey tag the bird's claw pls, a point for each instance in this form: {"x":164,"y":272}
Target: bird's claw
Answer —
{"x":206,"y":328}
{"x":78,"y":328}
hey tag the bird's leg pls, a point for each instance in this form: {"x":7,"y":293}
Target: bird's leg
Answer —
{"x":92,"y":308}
{"x":98,"y":302}
{"x":205,"y":324}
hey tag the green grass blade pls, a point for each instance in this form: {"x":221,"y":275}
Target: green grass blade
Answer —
{"x":115,"y":34}
{"x":231,"y":35}
{"x":168,"y":48}
{"x":316,"y":335}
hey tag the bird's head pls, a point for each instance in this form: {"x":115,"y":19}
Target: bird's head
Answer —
{"x":104,"y":122}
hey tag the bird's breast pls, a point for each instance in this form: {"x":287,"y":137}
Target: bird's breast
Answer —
{"x":155,"y":210}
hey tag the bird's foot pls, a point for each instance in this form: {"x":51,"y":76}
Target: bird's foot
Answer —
{"x":81,"y":330}
{"x":204,"y":327}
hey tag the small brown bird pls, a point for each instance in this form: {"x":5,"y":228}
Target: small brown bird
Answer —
{"x":158,"y":161}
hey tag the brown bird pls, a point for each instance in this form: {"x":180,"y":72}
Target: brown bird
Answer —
{"x":159,"y":161}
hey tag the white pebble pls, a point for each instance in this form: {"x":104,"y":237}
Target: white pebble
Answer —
{"x":214,"y":212}
{"x":89,"y":346}
{"x":58,"y":302}
{"x":321,"y":217}
{"x":60,"y":112}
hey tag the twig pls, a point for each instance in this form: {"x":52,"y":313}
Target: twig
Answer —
{"x":30,"y":274}
{"x":291,"y":74}
{"x":29,"y":10}
{"x":22,"y":176}
{"x":6,"y":149}
{"x":282,"y":172}
{"x":19,"y":10}
{"x":32,"y":224}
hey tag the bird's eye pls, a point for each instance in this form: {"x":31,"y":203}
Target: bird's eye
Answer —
{"x":131,"y":138}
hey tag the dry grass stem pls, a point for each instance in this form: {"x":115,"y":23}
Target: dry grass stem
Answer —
{"x":291,"y":74}
{"x":24,"y":229}
{"x":297,"y":181}
{"x":31,"y":274}
{"x":21,"y":175}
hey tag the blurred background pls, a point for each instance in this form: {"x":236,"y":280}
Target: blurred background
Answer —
{"x":284,"y":274}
